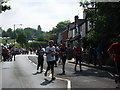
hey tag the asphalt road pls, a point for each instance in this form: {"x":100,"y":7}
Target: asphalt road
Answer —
{"x":88,"y":78}
{"x":0,"y":76}
{"x":19,"y":74}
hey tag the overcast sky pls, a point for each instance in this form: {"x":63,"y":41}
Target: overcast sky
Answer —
{"x":46,"y":13}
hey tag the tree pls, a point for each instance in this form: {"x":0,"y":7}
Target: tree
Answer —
{"x":104,"y":18}
{"x":30,"y":32}
{"x":22,"y":39}
{"x":61,"y":26}
{"x":10,"y":33}
{"x":4,"y":34}
{"x":4,"y":7}
{"x":18,"y":31}
{"x":43,"y":37}
{"x":110,"y":12}
{"x":46,"y":37}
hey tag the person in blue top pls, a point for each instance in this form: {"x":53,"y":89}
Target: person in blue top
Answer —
{"x":40,"y":53}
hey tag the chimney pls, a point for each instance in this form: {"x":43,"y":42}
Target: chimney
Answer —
{"x":76,"y":18}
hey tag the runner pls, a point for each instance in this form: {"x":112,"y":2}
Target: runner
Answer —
{"x":56,"y":55}
{"x":13,"y":51}
{"x":4,"y":53}
{"x":114,"y":50}
{"x":40,"y":53}
{"x":63,"y":54}
{"x":50,"y":57}
{"x":77,"y":54}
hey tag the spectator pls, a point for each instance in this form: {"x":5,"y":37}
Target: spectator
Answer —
{"x":99,"y":51}
{"x":92,"y":54}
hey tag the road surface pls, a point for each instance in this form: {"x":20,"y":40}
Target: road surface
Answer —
{"x":19,"y":74}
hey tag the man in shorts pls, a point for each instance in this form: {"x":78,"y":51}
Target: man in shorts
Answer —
{"x":50,"y":57}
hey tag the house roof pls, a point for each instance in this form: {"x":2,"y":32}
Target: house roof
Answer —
{"x":71,"y":26}
{"x":80,"y":21}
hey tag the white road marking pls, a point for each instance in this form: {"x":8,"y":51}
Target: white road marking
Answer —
{"x":32,"y":63}
{"x":111,"y":74}
{"x":50,"y":75}
{"x":68,"y":81}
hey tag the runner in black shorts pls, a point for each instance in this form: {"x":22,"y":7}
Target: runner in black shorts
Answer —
{"x":63,"y":54}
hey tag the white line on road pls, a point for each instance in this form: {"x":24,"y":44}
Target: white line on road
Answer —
{"x":32,"y":63}
{"x":68,"y":81}
{"x":110,"y":74}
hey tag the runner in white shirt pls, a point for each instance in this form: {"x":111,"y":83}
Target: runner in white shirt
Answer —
{"x":50,"y":57}
{"x":50,"y":53}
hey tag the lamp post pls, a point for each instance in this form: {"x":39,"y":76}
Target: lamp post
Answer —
{"x":14,"y":32}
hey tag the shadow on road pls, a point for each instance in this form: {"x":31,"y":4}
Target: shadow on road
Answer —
{"x":89,"y":72}
{"x":46,"y":82}
{"x":36,"y":73}
{"x":61,"y":74}
{"x":92,"y":72}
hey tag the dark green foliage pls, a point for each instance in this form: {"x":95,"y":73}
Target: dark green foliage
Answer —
{"x":4,"y":34}
{"x":22,"y":39}
{"x":30,"y":32}
{"x":43,"y":37}
{"x":61,"y":26}
{"x":10,"y":33}
{"x":35,"y":44}
{"x":4,"y":7}
{"x":105,"y":20}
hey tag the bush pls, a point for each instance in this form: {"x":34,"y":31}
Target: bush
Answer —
{"x":35,"y":44}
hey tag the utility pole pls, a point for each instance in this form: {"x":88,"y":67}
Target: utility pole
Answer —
{"x":14,"y":32}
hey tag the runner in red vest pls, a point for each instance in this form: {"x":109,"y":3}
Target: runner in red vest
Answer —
{"x":77,"y":54}
{"x":114,"y":50}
